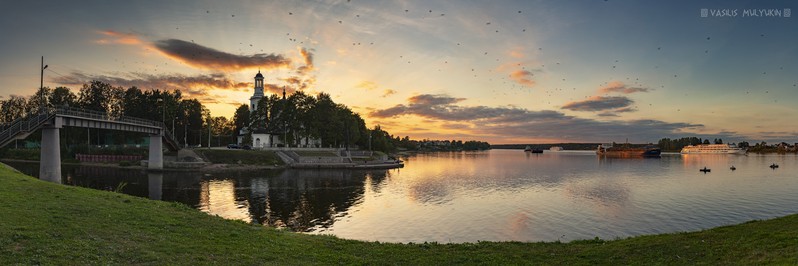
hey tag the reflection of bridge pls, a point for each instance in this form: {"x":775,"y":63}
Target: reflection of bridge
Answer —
{"x":50,"y":120}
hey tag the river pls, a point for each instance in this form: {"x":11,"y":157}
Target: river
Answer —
{"x":497,"y":195}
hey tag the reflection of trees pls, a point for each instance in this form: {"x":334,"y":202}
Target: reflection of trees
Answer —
{"x":304,"y":199}
{"x":298,"y":199}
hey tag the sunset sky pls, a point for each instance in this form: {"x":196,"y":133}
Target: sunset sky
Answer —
{"x":496,"y":71}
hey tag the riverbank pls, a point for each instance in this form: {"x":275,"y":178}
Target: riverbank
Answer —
{"x":46,"y":223}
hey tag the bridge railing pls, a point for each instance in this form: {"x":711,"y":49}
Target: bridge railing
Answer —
{"x":34,"y":119}
{"x":27,"y":123}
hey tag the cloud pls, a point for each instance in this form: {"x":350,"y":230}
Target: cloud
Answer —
{"x":388,"y":92}
{"x":523,"y":77}
{"x":113,"y":37}
{"x":194,"y":86}
{"x":367,"y":85}
{"x":599,"y":103}
{"x":617,"y":86}
{"x":298,"y":83}
{"x":307,"y":57}
{"x":456,"y":126}
{"x":517,"y":123}
{"x":208,"y":58}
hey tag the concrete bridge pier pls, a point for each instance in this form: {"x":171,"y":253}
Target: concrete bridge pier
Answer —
{"x":50,"y":156}
{"x":156,"y":153}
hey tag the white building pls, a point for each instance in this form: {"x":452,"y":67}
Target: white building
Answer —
{"x":261,"y":137}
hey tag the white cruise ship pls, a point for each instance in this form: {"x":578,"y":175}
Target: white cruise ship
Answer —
{"x":713,"y":149}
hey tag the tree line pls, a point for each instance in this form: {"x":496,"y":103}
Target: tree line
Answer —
{"x":297,"y":117}
{"x":187,"y":119}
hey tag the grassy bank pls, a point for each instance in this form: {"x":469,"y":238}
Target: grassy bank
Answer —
{"x":245,"y":157}
{"x":44,"y":223}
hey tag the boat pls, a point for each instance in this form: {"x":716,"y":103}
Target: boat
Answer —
{"x":705,"y":170}
{"x":530,"y":149}
{"x":733,"y":168}
{"x":555,"y":148}
{"x":774,"y":166}
{"x":713,"y":149}
{"x":609,"y":150}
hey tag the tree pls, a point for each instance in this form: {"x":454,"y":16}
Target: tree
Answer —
{"x":35,"y":101}
{"x":706,"y":141}
{"x":240,"y":119}
{"x":13,"y":108}
{"x":62,"y":96}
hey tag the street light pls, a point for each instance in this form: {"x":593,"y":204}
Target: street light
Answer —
{"x":163,"y":111}
{"x":41,"y":85}
{"x":185,"y":134}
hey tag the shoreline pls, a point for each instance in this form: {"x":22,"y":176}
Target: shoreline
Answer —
{"x":52,"y":223}
{"x":208,"y":168}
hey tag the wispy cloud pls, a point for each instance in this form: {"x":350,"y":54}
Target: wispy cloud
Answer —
{"x":617,"y":86}
{"x":599,"y":103}
{"x":196,"y":86}
{"x":204,"y":57}
{"x":523,"y":77}
{"x":518,"y":123}
{"x":307,"y":57}
{"x":367,"y":85}
{"x":114,"y":37}
{"x":388,"y":92}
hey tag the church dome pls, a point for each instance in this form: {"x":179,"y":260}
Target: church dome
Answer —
{"x":258,"y":75}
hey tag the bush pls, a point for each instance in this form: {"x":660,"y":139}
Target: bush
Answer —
{"x":125,"y":163}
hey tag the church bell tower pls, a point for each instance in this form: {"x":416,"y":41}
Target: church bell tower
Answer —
{"x":253,"y":101}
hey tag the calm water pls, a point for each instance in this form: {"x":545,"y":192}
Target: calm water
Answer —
{"x":496,"y":195}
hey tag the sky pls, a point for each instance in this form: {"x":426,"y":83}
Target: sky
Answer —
{"x":496,"y":71}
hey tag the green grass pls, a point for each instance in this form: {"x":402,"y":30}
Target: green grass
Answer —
{"x":45,"y":223}
{"x":246,"y":157}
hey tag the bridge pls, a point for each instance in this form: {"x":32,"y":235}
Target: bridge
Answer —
{"x":50,"y":120}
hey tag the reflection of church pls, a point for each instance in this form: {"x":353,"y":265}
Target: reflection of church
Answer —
{"x":264,"y":136}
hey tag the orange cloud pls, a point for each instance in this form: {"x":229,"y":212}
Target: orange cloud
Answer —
{"x":617,"y":86}
{"x":367,"y":85}
{"x":523,"y":77}
{"x":113,"y":37}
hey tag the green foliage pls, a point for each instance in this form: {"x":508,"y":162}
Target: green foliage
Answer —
{"x":20,"y":154}
{"x":46,"y":223}
{"x":125,"y":163}
{"x":674,"y":145}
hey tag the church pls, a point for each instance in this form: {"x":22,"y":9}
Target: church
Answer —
{"x":266,"y":136}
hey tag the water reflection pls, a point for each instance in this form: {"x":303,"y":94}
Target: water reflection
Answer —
{"x":497,"y":195}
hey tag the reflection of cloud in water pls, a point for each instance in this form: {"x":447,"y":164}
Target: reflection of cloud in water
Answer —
{"x":218,"y":197}
{"x":519,"y":225}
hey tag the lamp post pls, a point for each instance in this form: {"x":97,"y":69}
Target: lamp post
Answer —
{"x":209,"y":133}
{"x":163,"y":111}
{"x":41,"y":86}
{"x":173,"y":124}
{"x":185,"y":135}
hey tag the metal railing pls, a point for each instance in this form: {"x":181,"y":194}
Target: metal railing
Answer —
{"x":35,"y":119}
